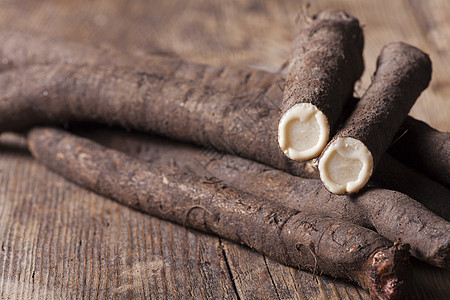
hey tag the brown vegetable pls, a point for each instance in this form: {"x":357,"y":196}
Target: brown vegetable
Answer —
{"x":325,"y":63}
{"x":424,"y":148}
{"x":19,"y":49}
{"x":233,"y":110}
{"x":392,"y":214}
{"x":300,"y":239}
{"x":393,"y":175}
{"x":347,"y":162}
{"x":230,"y":109}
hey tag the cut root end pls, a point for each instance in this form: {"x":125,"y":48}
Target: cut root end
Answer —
{"x":303,"y":132}
{"x":388,"y":272}
{"x":345,"y":166}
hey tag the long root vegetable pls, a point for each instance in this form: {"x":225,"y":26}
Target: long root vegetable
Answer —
{"x":225,"y":108}
{"x":325,"y":63}
{"x":300,"y":239}
{"x":392,"y":214}
{"x":347,"y":162}
{"x":424,"y":148}
{"x":233,"y":110}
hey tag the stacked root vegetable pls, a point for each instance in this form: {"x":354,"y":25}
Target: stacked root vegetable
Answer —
{"x":291,"y":165}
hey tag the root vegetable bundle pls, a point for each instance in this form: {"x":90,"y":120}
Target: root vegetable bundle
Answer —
{"x":310,"y":241}
{"x":392,"y":214}
{"x":236,"y":111}
{"x":233,"y":110}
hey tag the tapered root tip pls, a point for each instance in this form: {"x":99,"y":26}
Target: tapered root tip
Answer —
{"x":303,"y":132}
{"x":345,"y":166}
{"x":388,"y":271}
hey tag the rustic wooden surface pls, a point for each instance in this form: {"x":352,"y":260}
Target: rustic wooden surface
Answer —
{"x":59,"y":241}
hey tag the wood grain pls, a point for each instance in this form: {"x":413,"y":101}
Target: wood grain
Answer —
{"x":58,"y":241}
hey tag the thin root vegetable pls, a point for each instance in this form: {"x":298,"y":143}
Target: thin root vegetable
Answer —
{"x":326,"y":62}
{"x":392,"y":214}
{"x":295,"y":238}
{"x":347,"y":162}
{"x":424,"y":148}
{"x":233,"y":110}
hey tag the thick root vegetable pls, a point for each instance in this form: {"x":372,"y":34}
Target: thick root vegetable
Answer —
{"x":229,"y":109}
{"x":300,"y":239}
{"x":424,"y":148}
{"x":347,"y":162}
{"x":392,"y":214}
{"x":325,"y":63}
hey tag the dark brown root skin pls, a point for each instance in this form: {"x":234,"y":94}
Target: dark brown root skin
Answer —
{"x":300,"y":239}
{"x":391,"y":174}
{"x":246,"y":101}
{"x":228,"y":109}
{"x":325,"y":63}
{"x":392,"y":214}
{"x":423,"y":148}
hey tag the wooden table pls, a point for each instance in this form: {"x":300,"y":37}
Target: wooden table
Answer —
{"x":59,"y":241}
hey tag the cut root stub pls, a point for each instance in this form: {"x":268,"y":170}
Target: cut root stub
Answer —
{"x":303,"y":132}
{"x":345,"y":166}
{"x":389,"y":272}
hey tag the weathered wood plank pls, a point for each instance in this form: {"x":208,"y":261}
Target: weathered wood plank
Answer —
{"x":249,"y":272}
